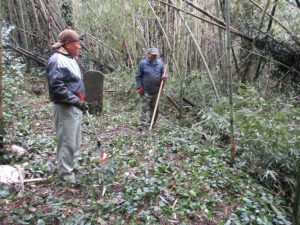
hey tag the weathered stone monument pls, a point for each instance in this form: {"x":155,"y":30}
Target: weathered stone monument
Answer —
{"x":93,"y":81}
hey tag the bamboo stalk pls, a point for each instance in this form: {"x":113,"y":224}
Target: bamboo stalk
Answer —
{"x":295,"y":38}
{"x":258,"y":68}
{"x":30,"y":33}
{"x":158,"y":20}
{"x":172,"y":100}
{"x":232,"y":147}
{"x":1,"y":91}
{"x":36,"y":19}
{"x":188,"y":102}
{"x":296,"y":207}
{"x":279,"y":213}
{"x":33,"y":56}
{"x":218,"y":22}
{"x":221,"y":50}
{"x":202,"y":56}
{"x":10,"y":12}
{"x":250,"y":55}
{"x":183,"y":69}
{"x":23,"y":35}
{"x":167,"y":39}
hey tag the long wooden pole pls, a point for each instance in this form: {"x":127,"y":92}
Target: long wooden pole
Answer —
{"x":158,"y":97}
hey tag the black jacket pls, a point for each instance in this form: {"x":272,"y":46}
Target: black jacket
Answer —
{"x":64,"y":79}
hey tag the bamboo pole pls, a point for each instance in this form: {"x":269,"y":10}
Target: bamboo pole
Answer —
{"x":167,"y":39}
{"x":258,"y":68}
{"x":158,"y":97}
{"x":218,"y":23}
{"x":36,"y":19}
{"x":172,"y":100}
{"x":10,"y":12}
{"x":250,"y":56}
{"x":202,"y":56}
{"x":221,"y":50}
{"x":296,"y":207}
{"x":232,"y":147}
{"x":23,"y":35}
{"x":1,"y":91}
{"x":183,"y":70}
{"x":295,"y":38}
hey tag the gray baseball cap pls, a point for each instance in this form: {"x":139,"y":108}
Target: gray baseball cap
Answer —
{"x":153,"y":51}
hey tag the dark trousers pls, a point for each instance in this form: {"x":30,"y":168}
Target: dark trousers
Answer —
{"x":147,"y":108}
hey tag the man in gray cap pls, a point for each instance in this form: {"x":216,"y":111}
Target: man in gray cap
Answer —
{"x":148,"y":77}
{"x":66,"y":91}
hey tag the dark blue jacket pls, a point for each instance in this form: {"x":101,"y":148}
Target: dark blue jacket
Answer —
{"x":148,"y":75}
{"x":64,"y":79}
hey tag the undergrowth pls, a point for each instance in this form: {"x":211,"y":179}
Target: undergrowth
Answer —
{"x":173,"y":175}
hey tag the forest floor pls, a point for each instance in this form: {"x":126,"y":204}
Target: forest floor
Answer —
{"x":171,"y":175}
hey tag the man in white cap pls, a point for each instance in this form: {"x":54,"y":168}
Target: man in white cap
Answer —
{"x":148,"y":77}
{"x":66,"y":91}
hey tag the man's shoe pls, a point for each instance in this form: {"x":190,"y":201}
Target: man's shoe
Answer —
{"x":68,"y":178}
{"x":70,"y":183}
{"x":78,"y":174}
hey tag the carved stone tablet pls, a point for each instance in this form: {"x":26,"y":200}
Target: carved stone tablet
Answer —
{"x":93,"y":81}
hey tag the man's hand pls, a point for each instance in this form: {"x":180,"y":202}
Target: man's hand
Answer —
{"x":83,"y":106}
{"x":140,"y":91}
{"x":165,"y":76}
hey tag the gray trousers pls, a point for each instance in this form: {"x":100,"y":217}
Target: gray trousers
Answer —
{"x":67,"y":120}
{"x":147,"y":107}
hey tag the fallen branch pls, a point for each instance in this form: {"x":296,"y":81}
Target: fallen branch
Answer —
{"x":172,"y":100}
{"x":278,"y":213}
{"x":30,"y":55}
{"x":188,"y":102}
{"x":217,"y":22}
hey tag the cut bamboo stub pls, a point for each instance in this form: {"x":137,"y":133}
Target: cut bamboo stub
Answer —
{"x":35,"y":180}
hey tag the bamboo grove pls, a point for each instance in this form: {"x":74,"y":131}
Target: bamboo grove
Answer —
{"x":231,"y":44}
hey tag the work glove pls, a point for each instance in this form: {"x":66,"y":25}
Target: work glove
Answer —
{"x":140,"y":91}
{"x":83,"y":106}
